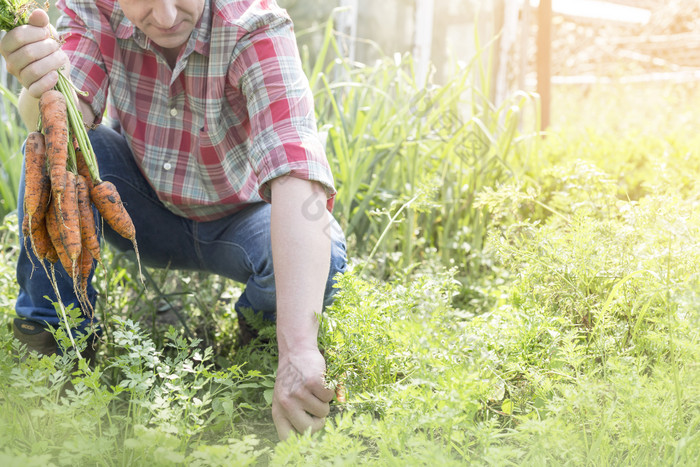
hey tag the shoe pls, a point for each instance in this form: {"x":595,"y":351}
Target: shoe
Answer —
{"x":41,"y":341}
{"x":246,"y":333}
{"x":35,"y":337}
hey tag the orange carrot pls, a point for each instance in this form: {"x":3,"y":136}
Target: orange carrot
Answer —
{"x":44,"y":195}
{"x":34,"y":171}
{"x":68,"y":217}
{"x":41,"y":242}
{"x":341,"y":393}
{"x":55,"y":235}
{"x":88,"y":233}
{"x":83,"y":168}
{"x":86,"y":263}
{"x":54,"y":120}
{"x":109,"y":204}
{"x":41,"y":201}
{"x":106,"y":199}
{"x":31,"y":224}
{"x":51,"y":253}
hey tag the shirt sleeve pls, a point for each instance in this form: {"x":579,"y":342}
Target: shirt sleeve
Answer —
{"x":284,"y":138}
{"x":88,"y":72}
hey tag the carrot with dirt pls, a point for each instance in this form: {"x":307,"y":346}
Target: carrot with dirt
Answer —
{"x":44,"y":196}
{"x":68,"y":242}
{"x":53,"y":230}
{"x":41,"y":245}
{"x":56,"y":254}
{"x":86,"y":264}
{"x":41,"y":242}
{"x":83,"y":168}
{"x":105,"y":197}
{"x":54,"y":121}
{"x":33,"y":216}
{"x":109,"y":204}
{"x":88,"y":231}
{"x":33,"y":232}
{"x":68,"y":217}
{"x":51,"y":254}
{"x":34,"y":173}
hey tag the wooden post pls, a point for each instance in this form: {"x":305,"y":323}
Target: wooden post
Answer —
{"x":423,"y":39}
{"x":524,"y":45}
{"x":438,"y":51}
{"x":499,"y":7}
{"x":508,"y":29}
{"x":347,"y":26}
{"x":544,"y":59}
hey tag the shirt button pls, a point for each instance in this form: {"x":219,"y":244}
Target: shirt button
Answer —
{"x":167,"y":166}
{"x":173,"y":112}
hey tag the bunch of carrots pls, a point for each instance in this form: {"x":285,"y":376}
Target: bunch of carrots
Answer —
{"x":61,"y":185}
{"x":62,"y":182}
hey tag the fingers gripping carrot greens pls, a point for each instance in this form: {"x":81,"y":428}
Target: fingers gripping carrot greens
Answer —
{"x":62,"y":180}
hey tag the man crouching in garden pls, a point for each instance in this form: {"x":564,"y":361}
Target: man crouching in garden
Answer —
{"x":215,"y":154}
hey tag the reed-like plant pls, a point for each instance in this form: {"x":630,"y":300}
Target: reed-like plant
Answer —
{"x":389,"y":138}
{"x":12,"y":135}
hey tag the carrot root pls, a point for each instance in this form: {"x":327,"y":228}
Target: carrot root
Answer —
{"x":54,"y":118}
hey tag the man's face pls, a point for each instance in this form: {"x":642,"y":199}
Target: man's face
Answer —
{"x":168,"y":23}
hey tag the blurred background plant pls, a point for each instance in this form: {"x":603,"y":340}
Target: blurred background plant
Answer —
{"x":12,"y":136}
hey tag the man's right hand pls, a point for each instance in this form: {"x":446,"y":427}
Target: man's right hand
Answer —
{"x":33,"y":55}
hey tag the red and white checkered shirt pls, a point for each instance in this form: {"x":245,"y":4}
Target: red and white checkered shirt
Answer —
{"x":210,"y":134}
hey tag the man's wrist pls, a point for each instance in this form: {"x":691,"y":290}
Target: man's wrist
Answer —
{"x":289,"y":346}
{"x":297,"y":329}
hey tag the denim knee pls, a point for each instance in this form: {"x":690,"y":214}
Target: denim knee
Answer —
{"x":338,"y":265}
{"x":339,"y":262}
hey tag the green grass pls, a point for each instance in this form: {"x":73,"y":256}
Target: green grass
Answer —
{"x":588,"y":355}
{"x":512,"y":301}
{"x":12,"y":136}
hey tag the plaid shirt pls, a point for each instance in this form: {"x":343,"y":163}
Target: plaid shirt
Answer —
{"x":234,"y":113}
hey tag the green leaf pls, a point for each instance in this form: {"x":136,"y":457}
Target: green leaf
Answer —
{"x":268,"y":395}
{"x":507,"y":407}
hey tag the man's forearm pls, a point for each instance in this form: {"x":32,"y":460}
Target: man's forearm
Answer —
{"x":28,"y":107}
{"x":301,"y":255}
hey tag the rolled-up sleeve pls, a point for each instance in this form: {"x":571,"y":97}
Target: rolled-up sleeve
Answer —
{"x":88,"y":72}
{"x":284,"y":138}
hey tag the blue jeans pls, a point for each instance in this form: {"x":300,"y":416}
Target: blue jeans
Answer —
{"x":237,"y":246}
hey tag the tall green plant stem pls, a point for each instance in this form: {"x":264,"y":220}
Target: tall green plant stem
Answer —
{"x":671,"y":343}
{"x":392,"y":221}
{"x":75,"y":118}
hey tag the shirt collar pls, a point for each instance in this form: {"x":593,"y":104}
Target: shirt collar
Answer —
{"x":202,"y":31}
{"x":121,"y":26}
